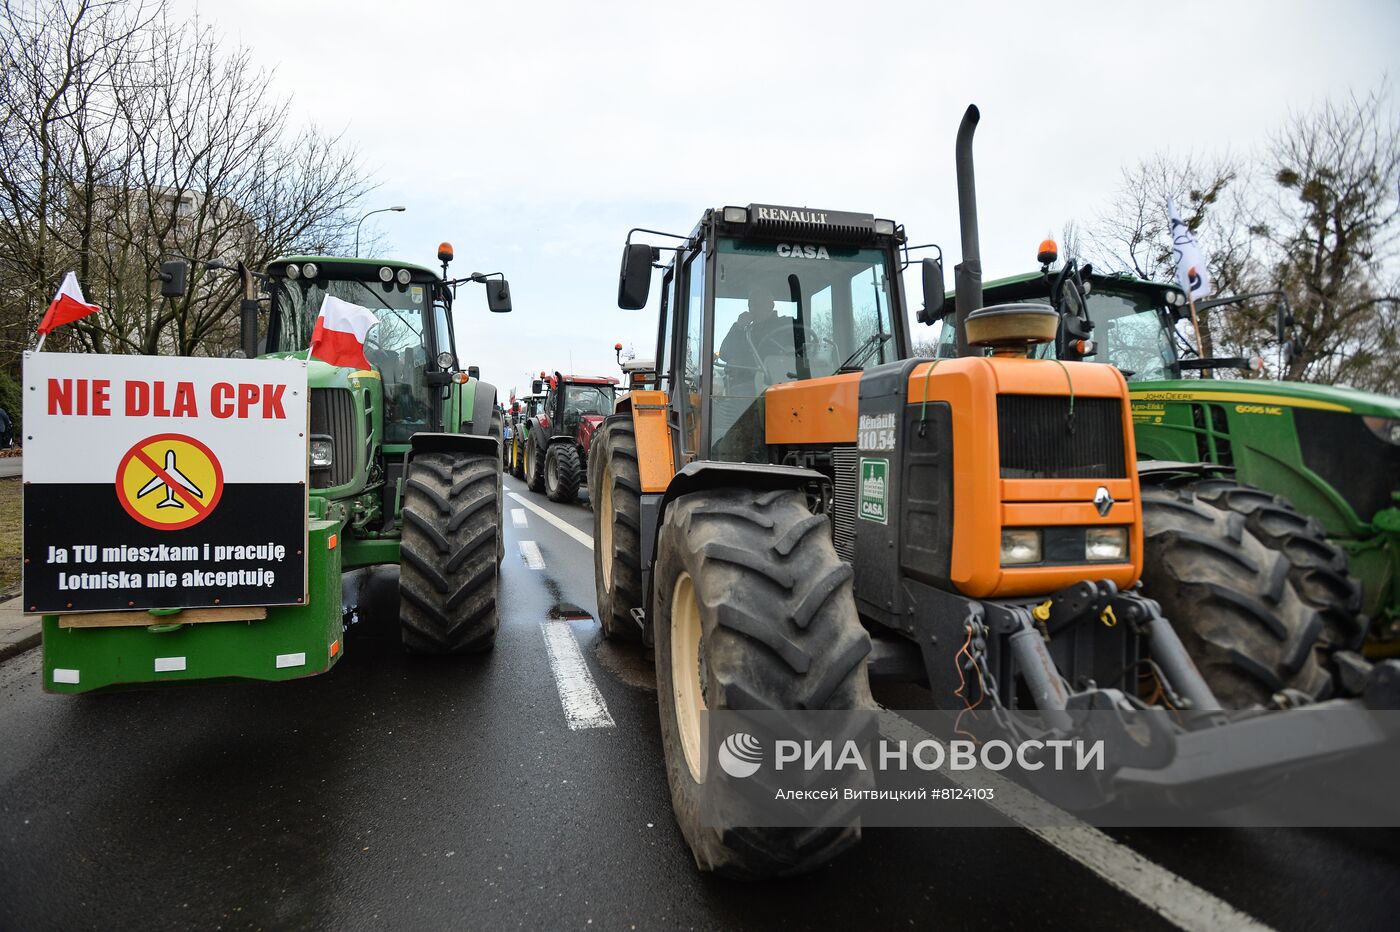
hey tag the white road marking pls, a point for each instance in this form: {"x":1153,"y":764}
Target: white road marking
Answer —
{"x":530,"y":553}
{"x":583,"y":704}
{"x":1174,"y":898}
{"x":517,"y":517}
{"x":558,"y":522}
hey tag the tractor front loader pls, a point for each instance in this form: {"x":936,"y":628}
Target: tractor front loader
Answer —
{"x":801,"y":506}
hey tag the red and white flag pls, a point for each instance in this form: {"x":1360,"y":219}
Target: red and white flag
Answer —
{"x":67,"y":306}
{"x":339,"y":337}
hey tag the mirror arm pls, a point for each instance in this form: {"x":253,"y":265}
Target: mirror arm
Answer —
{"x":1237,"y":298}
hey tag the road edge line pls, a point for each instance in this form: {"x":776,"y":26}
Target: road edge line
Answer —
{"x":1169,"y":895}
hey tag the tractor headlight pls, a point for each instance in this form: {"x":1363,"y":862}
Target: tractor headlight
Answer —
{"x":1386,"y":428}
{"x":1020,"y":546}
{"x":310,"y":269}
{"x":293,"y":271}
{"x":322,"y":452}
{"x":1106,"y":545}
{"x":403,"y":276}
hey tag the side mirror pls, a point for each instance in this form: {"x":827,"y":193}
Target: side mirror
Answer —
{"x":634,"y":283}
{"x":935,"y":304}
{"x":537,"y":386}
{"x":498,"y":296}
{"x":174,"y":278}
{"x":473,"y":372}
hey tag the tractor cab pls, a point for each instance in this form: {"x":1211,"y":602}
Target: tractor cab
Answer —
{"x":760,"y":295}
{"x":412,"y":346}
{"x":1142,"y":327}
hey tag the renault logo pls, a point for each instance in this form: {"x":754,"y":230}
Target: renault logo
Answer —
{"x":1103,"y":501}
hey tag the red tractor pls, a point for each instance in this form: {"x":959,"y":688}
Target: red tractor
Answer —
{"x":556,"y":445}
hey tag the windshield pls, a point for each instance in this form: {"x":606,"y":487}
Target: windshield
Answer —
{"x":394,"y":347}
{"x":1128,"y":329}
{"x":1130,"y":334}
{"x":787,"y":311}
{"x":588,"y":399}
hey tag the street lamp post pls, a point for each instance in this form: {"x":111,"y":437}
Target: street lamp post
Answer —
{"x":397,"y":210}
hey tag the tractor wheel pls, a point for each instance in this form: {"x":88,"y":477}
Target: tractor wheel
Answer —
{"x":562,"y":472}
{"x":534,"y":469}
{"x":616,"y":494}
{"x":1230,"y":599}
{"x":1316,"y":566}
{"x":517,"y":458}
{"x":754,"y":611}
{"x":450,"y":553}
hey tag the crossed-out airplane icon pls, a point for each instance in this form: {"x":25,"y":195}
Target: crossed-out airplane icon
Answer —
{"x":157,"y":482}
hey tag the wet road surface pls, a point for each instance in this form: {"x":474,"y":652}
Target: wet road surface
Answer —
{"x":426,"y":793}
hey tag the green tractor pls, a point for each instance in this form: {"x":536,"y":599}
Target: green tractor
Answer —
{"x":426,"y":492}
{"x":528,"y":407}
{"x":404,"y":468}
{"x":1311,"y":470}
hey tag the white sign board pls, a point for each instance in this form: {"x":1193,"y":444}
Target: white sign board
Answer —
{"x":163,"y":482}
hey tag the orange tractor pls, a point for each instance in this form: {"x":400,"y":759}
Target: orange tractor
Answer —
{"x":800,"y":505}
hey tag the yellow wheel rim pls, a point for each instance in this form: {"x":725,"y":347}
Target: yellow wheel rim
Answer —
{"x":685,"y":673}
{"x":605,"y":531}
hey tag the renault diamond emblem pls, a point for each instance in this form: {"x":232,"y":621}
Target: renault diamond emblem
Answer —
{"x":1103,"y":501}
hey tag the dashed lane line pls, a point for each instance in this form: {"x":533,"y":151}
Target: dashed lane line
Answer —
{"x":530,"y":553}
{"x":555,"y":520}
{"x":517,"y":517}
{"x":583,"y":704}
{"x":1174,"y":898}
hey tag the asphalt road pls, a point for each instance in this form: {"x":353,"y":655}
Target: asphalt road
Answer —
{"x":11,"y":466}
{"x":423,"y":793}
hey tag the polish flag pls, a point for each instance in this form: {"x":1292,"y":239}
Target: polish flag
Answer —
{"x":67,"y":306}
{"x":339,"y":337}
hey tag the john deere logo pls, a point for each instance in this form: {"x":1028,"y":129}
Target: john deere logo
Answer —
{"x":874,"y":490}
{"x":740,"y":755}
{"x":1103,"y":501}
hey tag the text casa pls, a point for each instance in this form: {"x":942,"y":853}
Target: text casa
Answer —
{"x":139,"y":398}
{"x":800,"y":251}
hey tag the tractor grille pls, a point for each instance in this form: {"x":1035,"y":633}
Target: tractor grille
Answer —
{"x":845,"y":461}
{"x":1039,"y":440}
{"x":333,"y":415}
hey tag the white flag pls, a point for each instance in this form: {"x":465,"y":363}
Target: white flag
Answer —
{"x":1191,"y":271}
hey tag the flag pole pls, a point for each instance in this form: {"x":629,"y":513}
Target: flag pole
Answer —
{"x":1196,"y":325}
{"x":40,"y":345}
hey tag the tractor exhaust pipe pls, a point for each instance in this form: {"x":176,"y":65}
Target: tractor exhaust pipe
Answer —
{"x":967,"y":275}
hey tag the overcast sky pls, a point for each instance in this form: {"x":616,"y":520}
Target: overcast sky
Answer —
{"x":534,"y":135}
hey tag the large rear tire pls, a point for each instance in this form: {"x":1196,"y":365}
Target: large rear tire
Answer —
{"x":1317,"y":568}
{"x":1230,"y":599}
{"x":563,"y":473}
{"x":534,"y":468}
{"x":753,"y":610}
{"x":615,"y":490}
{"x":450,"y":553}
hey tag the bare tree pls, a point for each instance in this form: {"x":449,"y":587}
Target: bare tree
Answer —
{"x":163,"y":144}
{"x":1131,"y":235}
{"x":1315,"y":215}
{"x":1332,"y":220}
